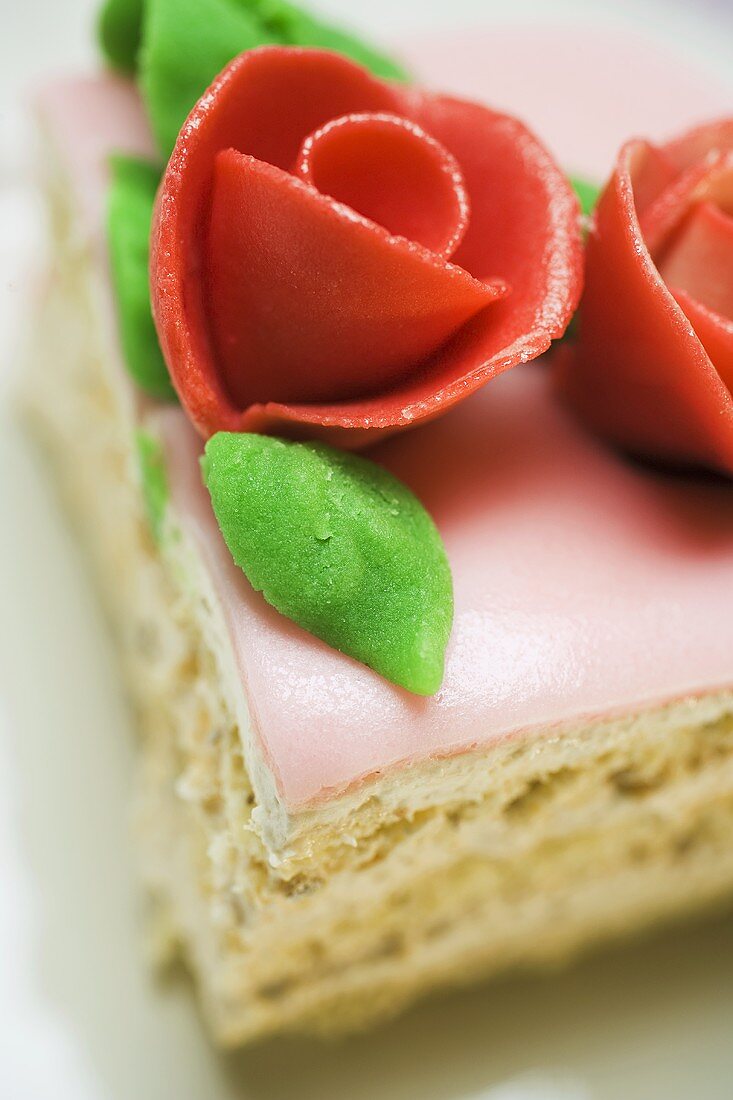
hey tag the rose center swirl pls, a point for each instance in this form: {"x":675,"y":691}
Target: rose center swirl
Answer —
{"x":387,"y":169}
{"x":695,"y":213}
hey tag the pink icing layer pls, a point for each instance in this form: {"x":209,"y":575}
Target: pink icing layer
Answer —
{"x":584,"y":585}
{"x":90,"y":118}
{"x":584,"y":92}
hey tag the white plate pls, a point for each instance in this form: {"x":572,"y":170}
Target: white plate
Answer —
{"x":80,"y":1016}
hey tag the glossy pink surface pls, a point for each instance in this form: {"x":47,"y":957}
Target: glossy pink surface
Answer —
{"x":90,"y":118}
{"x":584,"y":585}
{"x":584,"y":92}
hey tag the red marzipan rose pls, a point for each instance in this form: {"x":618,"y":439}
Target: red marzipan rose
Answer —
{"x":341,"y":257}
{"x":653,"y":366}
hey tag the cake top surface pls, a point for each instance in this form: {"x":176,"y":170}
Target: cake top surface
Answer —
{"x":584,"y":584}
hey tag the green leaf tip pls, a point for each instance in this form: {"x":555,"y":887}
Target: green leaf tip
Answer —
{"x":588,"y":194}
{"x":186,"y":43}
{"x":153,"y":480}
{"x":338,"y":545}
{"x":130,"y":202}
{"x":119,"y":29}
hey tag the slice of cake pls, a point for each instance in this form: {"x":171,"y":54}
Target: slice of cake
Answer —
{"x":321,"y":844}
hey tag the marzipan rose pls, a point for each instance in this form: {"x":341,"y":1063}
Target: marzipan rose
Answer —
{"x":341,"y":257}
{"x":652,"y":370}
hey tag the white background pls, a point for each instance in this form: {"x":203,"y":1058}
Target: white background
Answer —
{"x":80,"y":1016}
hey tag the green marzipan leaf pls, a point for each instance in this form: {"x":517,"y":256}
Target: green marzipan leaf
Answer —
{"x":588,"y":194}
{"x":294,"y":26}
{"x":120,"y":29}
{"x":153,"y":480}
{"x":130,"y":203}
{"x":338,"y":545}
{"x":186,"y":43}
